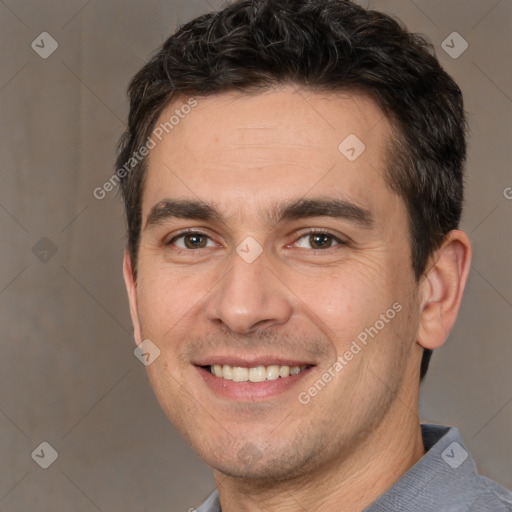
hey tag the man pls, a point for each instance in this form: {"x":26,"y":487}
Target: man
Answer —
{"x":292,"y":176}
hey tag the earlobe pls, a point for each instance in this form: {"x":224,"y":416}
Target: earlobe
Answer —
{"x":442,"y":289}
{"x":131,"y":289}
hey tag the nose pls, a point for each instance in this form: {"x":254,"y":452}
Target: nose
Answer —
{"x":250,"y":296}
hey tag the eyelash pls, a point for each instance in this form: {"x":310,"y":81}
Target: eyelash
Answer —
{"x":304,"y":234}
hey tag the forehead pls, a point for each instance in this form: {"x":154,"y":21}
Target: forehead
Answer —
{"x":237,"y":150}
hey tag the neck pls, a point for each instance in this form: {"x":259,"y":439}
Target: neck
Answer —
{"x":355,"y":480}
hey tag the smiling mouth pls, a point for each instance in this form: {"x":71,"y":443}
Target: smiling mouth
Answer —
{"x":254,"y":374}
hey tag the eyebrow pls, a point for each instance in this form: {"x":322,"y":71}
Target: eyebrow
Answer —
{"x":292,"y":210}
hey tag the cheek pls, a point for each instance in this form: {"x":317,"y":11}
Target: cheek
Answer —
{"x":165,"y":298}
{"x":343,"y":302}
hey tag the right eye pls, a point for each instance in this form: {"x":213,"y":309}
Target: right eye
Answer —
{"x":191,"y":240}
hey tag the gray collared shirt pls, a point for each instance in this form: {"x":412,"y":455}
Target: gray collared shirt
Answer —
{"x":443,"y":480}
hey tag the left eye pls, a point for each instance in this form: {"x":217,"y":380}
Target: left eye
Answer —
{"x":317,"y":241}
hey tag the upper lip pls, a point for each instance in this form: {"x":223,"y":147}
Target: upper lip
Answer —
{"x":251,"y":361}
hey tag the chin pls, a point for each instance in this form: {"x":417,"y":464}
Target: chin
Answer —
{"x":248,"y":462}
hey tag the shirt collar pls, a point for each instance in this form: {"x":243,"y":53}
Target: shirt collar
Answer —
{"x":444,"y":451}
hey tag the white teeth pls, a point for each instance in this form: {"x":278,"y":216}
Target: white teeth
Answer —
{"x":273,"y":372}
{"x":256,"y":374}
{"x":240,"y":374}
{"x":228,"y":372}
{"x":284,"y":371}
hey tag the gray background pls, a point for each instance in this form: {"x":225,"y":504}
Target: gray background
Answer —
{"x":67,"y":370}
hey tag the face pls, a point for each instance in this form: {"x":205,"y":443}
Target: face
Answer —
{"x":267,"y":249}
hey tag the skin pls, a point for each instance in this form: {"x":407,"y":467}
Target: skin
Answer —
{"x":245,"y":154}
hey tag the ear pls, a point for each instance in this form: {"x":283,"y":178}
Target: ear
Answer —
{"x":131,"y":288}
{"x":442,"y":288}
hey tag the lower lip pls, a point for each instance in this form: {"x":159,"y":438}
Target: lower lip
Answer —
{"x":251,"y":391}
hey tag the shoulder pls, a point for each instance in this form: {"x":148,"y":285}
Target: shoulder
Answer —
{"x":445,"y":479}
{"x":489,"y":496}
{"x":460,"y":486}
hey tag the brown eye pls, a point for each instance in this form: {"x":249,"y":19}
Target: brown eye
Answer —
{"x":191,"y":241}
{"x":318,"y":241}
